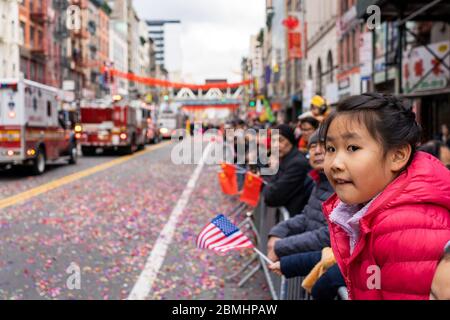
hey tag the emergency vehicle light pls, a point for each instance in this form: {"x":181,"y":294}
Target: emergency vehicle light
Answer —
{"x":78,"y":128}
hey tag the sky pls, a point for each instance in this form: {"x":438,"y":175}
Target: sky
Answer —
{"x":215,"y":33}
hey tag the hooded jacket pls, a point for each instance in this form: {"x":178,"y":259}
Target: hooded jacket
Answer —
{"x":402,"y":235}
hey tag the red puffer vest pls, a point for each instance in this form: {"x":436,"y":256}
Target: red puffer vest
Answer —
{"x":402,"y":235}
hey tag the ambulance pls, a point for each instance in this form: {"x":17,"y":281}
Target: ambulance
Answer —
{"x":34,"y":131}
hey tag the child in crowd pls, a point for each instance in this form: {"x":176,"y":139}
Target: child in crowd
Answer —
{"x":389,"y":218}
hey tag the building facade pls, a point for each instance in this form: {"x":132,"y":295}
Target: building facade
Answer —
{"x":321,"y":61}
{"x":166,"y":35}
{"x":349,"y":29}
{"x":118,"y":56}
{"x":10,"y":39}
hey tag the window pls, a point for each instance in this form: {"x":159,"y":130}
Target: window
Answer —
{"x":49,"y":109}
{"x":22,"y":33}
{"x":330,"y":67}
{"x":31,"y":37}
{"x":349,"y":51}
{"x":319,"y":77}
{"x":40,"y":39}
{"x":32,"y":71}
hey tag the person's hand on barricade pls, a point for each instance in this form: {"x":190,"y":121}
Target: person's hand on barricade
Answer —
{"x":271,"y":249}
{"x":276,"y":268}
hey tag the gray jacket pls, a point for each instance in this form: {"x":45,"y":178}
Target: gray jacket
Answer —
{"x":307,"y":231}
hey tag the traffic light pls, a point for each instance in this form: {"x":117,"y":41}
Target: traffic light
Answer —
{"x":252,"y":103}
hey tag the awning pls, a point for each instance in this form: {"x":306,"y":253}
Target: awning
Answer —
{"x":391,"y":9}
{"x":419,"y":94}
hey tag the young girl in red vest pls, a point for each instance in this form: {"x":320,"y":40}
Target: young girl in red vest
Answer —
{"x":390,"y":216}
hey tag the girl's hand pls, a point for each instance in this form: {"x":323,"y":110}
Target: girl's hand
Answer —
{"x":276,"y":268}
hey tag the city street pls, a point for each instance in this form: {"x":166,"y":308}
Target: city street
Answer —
{"x":228,"y":150}
{"x":107,"y":222}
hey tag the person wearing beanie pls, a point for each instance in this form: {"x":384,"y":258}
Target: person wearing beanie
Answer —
{"x":290,"y":187}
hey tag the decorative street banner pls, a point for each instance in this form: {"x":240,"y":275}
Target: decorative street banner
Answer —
{"x":419,"y":62}
{"x":168,"y":84}
{"x":293,"y":25}
{"x":294,"y":45}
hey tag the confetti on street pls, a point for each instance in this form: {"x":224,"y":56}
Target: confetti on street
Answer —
{"x":107,"y":224}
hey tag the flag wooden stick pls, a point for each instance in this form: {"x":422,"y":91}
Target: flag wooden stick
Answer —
{"x":263,"y":256}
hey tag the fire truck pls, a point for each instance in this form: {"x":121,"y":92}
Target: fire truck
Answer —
{"x":34,"y":130}
{"x":114,"y":125}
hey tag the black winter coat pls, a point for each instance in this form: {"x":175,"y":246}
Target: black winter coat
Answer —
{"x":307,"y":231}
{"x":289,"y":187}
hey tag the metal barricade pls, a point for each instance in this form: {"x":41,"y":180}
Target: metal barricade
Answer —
{"x":262,"y":220}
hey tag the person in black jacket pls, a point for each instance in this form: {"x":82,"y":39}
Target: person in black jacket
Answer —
{"x":307,"y":231}
{"x":290,"y":187}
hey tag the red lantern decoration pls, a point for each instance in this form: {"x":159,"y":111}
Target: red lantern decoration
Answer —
{"x":291,"y":23}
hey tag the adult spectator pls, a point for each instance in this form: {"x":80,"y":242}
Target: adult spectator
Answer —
{"x":307,"y":126}
{"x":290,"y":187}
{"x":307,"y":231}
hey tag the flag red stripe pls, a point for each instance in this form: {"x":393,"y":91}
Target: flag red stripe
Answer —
{"x":206,"y":229}
{"x":233,"y":243}
{"x":237,"y":236}
{"x":210,"y":237}
{"x":221,"y":243}
{"x":207,"y":235}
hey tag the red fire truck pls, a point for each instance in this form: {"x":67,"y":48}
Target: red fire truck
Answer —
{"x":116,"y":126}
{"x":34,"y":131}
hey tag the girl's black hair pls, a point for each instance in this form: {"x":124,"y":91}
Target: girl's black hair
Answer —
{"x":387,"y":118}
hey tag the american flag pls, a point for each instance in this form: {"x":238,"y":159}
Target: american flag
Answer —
{"x":222,"y":235}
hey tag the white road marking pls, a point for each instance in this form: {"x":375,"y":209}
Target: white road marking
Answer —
{"x":144,"y":284}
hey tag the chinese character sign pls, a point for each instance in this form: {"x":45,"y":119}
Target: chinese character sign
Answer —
{"x":423,"y":71}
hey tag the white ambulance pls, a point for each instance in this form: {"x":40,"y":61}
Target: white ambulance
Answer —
{"x":33,"y":130}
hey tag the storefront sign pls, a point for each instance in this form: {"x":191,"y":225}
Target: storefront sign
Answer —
{"x":419,"y":61}
{"x":366,"y":55}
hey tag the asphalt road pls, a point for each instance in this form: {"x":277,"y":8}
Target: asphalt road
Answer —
{"x":105,"y":217}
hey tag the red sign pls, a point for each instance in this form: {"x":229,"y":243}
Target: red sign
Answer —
{"x":294,"y":45}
